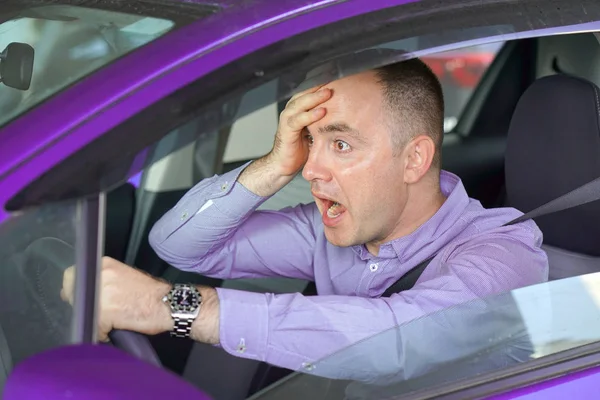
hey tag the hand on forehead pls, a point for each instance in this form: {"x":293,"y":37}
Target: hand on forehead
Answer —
{"x":354,"y":98}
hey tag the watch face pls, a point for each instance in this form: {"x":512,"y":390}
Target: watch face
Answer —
{"x":185,"y":299}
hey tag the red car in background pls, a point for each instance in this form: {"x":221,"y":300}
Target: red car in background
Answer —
{"x":459,"y":72}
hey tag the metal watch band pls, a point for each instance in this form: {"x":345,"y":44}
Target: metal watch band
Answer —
{"x":182,"y":327}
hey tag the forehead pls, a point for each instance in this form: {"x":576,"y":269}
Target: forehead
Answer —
{"x":356,"y":100}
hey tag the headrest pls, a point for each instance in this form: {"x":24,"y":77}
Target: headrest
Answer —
{"x":553,"y":147}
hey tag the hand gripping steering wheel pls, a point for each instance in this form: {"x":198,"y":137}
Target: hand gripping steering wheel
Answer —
{"x":45,"y":261}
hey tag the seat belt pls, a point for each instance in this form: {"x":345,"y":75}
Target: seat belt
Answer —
{"x":408,"y":280}
{"x":582,"y":195}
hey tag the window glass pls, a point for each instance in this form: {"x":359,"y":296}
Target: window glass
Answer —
{"x":459,"y":72}
{"x":69,"y":43}
{"x":36,"y":246}
{"x":249,"y":136}
{"x":460,"y":342}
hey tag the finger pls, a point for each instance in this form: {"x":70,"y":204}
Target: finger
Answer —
{"x":308,"y":101}
{"x":103,"y":337}
{"x":66,"y":292}
{"x":298,"y":122}
{"x":306,"y":91}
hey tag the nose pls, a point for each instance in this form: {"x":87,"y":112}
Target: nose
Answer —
{"x":316,"y":167}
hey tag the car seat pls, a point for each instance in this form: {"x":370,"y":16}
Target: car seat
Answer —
{"x":553,"y":147}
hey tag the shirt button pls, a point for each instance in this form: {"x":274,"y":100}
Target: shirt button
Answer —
{"x":373,"y":267}
{"x":224,"y":187}
{"x":184,"y":215}
{"x":241,"y":346}
{"x":308,"y":366}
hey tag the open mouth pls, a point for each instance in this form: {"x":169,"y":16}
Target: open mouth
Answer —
{"x":332,"y":211}
{"x":335,"y":209}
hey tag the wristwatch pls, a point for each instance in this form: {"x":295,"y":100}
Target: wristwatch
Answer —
{"x":185,"y":301}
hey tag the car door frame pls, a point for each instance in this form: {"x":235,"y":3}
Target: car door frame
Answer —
{"x":137,"y":106}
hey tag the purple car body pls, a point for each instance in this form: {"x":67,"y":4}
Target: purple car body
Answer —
{"x":48,"y":134}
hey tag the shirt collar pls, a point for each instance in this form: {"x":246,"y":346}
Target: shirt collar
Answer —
{"x":425,"y":238}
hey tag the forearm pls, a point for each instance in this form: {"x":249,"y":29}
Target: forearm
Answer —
{"x":216,"y":231}
{"x":202,"y":222}
{"x":296,"y":332}
{"x":257,"y":326}
{"x":348,"y":337}
{"x":263,"y":178}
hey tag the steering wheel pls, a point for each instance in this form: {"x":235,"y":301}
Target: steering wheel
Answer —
{"x":45,"y":261}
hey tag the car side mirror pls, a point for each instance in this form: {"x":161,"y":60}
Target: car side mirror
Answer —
{"x":16,"y":65}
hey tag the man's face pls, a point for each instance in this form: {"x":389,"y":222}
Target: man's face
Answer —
{"x":356,"y":180}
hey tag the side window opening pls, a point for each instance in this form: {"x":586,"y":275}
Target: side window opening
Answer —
{"x":459,"y":72}
{"x":251,"y":132}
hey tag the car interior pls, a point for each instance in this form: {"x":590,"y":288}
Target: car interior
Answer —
{"x":496,"y":148}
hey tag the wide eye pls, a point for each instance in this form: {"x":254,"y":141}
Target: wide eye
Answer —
{"x":341,"y":145}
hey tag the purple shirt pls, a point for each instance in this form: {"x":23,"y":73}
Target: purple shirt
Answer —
{"x":215,"y":230}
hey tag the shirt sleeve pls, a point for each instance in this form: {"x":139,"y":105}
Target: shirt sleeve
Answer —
{"x":215,"y":230}
{"x":348,"y":337}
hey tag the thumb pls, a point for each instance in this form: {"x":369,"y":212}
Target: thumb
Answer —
{"x":103,"y":336}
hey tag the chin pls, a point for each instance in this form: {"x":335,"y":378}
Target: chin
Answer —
{"x":338,"y":240}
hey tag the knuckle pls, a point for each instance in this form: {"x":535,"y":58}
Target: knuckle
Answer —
{"x":68,"y":276}
{"x":305,"y":118}
{"x":283,"y":115}
{"x":290,"y":121}
{"x":108,"y":264}
{"x":108,"y":276}
{"x":106,"y":260}
{"x":295,"y":97}
{"x":292,"y":104}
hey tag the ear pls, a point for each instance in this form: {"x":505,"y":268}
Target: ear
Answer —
{"x":419,"y":154}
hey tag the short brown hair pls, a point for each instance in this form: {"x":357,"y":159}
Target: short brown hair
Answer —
{"x":413,"y":94}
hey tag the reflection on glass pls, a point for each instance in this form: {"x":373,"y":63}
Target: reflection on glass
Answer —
{"x":460,"y":342}
{"x":70,"y":42}
{"x":391,"y":52}
{"x":248,"y":122}
{"x":239,"y":117}
{"x":35,"y":248}
{"x":459,"y":72}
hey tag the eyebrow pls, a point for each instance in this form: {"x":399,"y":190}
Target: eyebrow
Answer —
{"x":340,"y":127}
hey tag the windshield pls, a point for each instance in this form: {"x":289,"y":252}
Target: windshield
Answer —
{"x":64,"y":43}
{"x":464,"y":341}
{"x":35,"y":248}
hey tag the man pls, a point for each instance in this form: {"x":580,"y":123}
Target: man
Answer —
{"x":370,"y":146}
